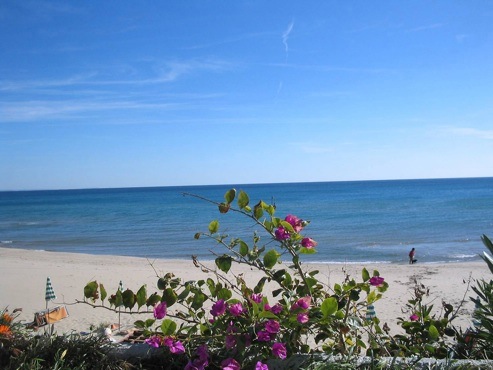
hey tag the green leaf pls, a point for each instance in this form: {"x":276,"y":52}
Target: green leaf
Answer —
{"x":267,"y":315}
{"x":103,"y":292}
{"x":118,"y":298}
{"x":224,"y":293}
{"x":329,"y":307}
{"x":91,"y":290}
{"x":260,"y":285}
{"x":185,"y":292}
{"x":433,"y":331}
{"x":365,"y":274}
{"x":271,"y":210}
{"x":141,"y":296}
{"x":198,"y":300}
{"x":372,"y":297}
{"x":169,"y":296}
{"x":287,"y":226}
{"x":304,"y":250}
{"x":230,"y":195}
{"x":168,"y":327}
{"x":270,"y":258}
{"x":339,"y":315}
{"x":257,"y":210}
{"x":153,"y":299}
{"x":243,"y":248}
{"x":243,"y":199}
{"x":224,"y":263}
{"x":214,"y":227}
{"x":128,"y":298}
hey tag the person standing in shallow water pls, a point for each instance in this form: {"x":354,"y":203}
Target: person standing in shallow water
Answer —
{"x":411,"y":256}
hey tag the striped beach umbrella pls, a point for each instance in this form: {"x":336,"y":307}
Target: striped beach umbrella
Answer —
{"x":370,"y":312}
{"x":50,"y":293}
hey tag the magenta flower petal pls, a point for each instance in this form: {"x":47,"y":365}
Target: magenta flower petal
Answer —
{"x":376,"y":281}
{"x":279,"y":350}
{"x":256,"y":297}
{"x":236,"y":309}
{"x":272,"y":326}
{"x":294,"y":221}
{"x":414,"y":317}
{"x":160,"y":310}
{"x":302,"y":318}
{"x":263,"y":336}
{"x":218,"y":308}
{"x":230,"y":364}
{"x":261,"y":366}
{"x":281,"y":234}
{"x":153,"y":341}
{"x":308,"y":243}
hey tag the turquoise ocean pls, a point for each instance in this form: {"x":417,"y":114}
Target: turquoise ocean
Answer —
{"x":357,"y":221}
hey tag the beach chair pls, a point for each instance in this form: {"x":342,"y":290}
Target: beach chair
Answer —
{"x":49,"y":316}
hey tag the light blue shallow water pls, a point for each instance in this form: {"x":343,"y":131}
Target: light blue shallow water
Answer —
{"x":378,"y":221}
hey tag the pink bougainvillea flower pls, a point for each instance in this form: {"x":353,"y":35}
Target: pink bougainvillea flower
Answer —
{"x":303,"y":303}
{"x":272,"y":326}
{"x":195,"y":365}
{"x":160,"y":310}
{"x":414,"y":317}
{"x":281,"y":234}
{"x":256,"y":297}
{"x":218,"y":308}
{"x":263,"y":336}
{"x":276,"y":309}
{"x":231,"y":328}
{"x":302,"y":318}
{"x":308,"y":243}
{"x":230,"y":341}
{"x":296,"y":222}
{"x":236,"y":309}
{"x":261,"y":366}
{"x":279,"y":350}
{"x":376,"y":280}
{"x":199,"y":363}
{"x":203,"y":352}
{"x":154,"y":341}
{"x":230,"y":364}
{"x":174,"y":347}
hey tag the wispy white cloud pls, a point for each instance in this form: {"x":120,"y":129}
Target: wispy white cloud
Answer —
{"x":285,"y":36}
{"x":311,"y":148}
{"x":167,"y":72}
{"x":41,"y":110}
{"x":426,"y":27}
{"x":474,"y":132}
{"x":461,"y":38}
{"x":228,"y":40}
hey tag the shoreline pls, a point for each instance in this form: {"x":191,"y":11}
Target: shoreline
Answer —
{"x":24,"y":274}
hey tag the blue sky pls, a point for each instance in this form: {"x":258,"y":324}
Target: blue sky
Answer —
{"x":151,"y":93}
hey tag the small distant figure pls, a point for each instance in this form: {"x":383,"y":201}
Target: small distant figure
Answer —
{"x":412,"y":260}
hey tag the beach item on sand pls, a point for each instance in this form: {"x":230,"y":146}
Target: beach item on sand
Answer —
{"x":121,"y":289}
{"x":370,"y":313}
{"x":50,"y":293}
{"x":52,"y":315}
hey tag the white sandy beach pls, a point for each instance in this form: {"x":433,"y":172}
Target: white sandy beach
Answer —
{"x":24,"y":273}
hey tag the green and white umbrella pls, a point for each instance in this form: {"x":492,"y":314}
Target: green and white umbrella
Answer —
{"x":50,"y":293}
{"x":370,"y":313}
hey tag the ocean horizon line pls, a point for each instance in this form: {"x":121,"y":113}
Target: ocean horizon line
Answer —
{"x":247,"y":184}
